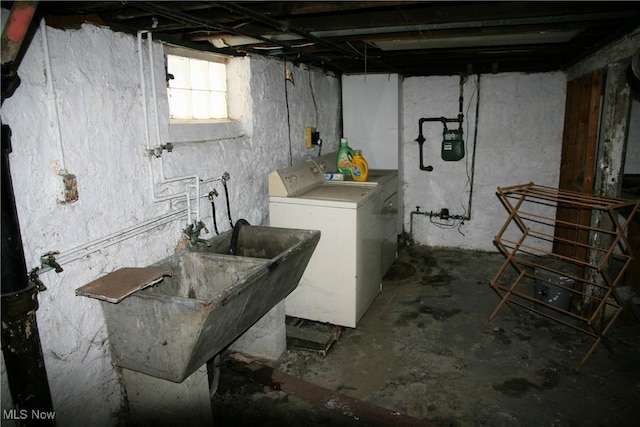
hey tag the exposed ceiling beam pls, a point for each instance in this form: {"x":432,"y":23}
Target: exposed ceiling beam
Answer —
{"x":405,"y":37}
{"x":189,"y":19}
{"x":282,"y":26}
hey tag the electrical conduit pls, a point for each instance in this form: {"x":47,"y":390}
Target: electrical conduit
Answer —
{"x":158,"y":148}
{"x":165,"y":179}
{"x":78,"y":252}
{"x":53,"y":100}
{"x":157,"y":198}
{"x":81,"y":251}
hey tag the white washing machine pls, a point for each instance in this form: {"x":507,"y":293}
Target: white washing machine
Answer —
{"x":358,"y":239}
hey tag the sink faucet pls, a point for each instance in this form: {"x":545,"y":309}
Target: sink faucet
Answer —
{"x":192,"y":232}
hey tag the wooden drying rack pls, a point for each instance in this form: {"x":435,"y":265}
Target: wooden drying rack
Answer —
{"x":583,"y":263}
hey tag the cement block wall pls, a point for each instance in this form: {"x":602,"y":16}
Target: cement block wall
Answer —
{"x":97,"y":84}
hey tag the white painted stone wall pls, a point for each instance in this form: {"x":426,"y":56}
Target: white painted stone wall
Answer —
{"x":371,"y":117}
{"x":519,"y":141}
{"x":96,"y":78}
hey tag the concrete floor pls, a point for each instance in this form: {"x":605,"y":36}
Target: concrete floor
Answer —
{"x":425,"y":354}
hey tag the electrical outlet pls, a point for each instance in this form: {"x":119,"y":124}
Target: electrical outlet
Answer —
{"x":288,"y":75}
{"x":69,"y":188}
{"x":309,"y":133}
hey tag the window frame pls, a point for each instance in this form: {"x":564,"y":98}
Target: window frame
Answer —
{"x":204,"y":56}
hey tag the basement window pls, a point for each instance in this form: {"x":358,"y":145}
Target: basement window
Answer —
{"x":196,"y":86}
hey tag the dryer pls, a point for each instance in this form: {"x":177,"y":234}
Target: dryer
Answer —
{"x":358,"y":242}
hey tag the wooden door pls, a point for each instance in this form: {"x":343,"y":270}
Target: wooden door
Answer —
{"x":578,"y":162}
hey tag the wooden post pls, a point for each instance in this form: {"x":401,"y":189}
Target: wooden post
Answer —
{"x":614,"y":129}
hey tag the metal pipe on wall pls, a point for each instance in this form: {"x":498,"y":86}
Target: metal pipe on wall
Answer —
{"x":16,"y":29}
{"x":21,"y":347}
{"x":14,"y":269}
{"x":444,"y":214}
{"x":14,"y":33}
{"x":53,"y":101}
{"x":22,"y":351}
{"x":421,"y":139}
{"x":155,"y":197}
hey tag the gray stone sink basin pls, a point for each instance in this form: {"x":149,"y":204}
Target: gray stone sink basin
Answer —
{"x":171,"y":329}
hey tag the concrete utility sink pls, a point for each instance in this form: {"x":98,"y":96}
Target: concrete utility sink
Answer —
{"x":173,"y":328}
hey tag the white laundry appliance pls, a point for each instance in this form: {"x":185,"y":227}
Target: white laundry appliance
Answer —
{"x":358,"y":242}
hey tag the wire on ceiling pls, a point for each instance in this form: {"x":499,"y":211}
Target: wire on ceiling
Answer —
{"x":286,"y":100}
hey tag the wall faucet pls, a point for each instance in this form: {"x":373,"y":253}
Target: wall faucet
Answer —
{"x":49,"y":260}
{"x":192,"y":232}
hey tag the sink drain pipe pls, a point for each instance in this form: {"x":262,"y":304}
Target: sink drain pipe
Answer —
{"x":235,"y":234}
